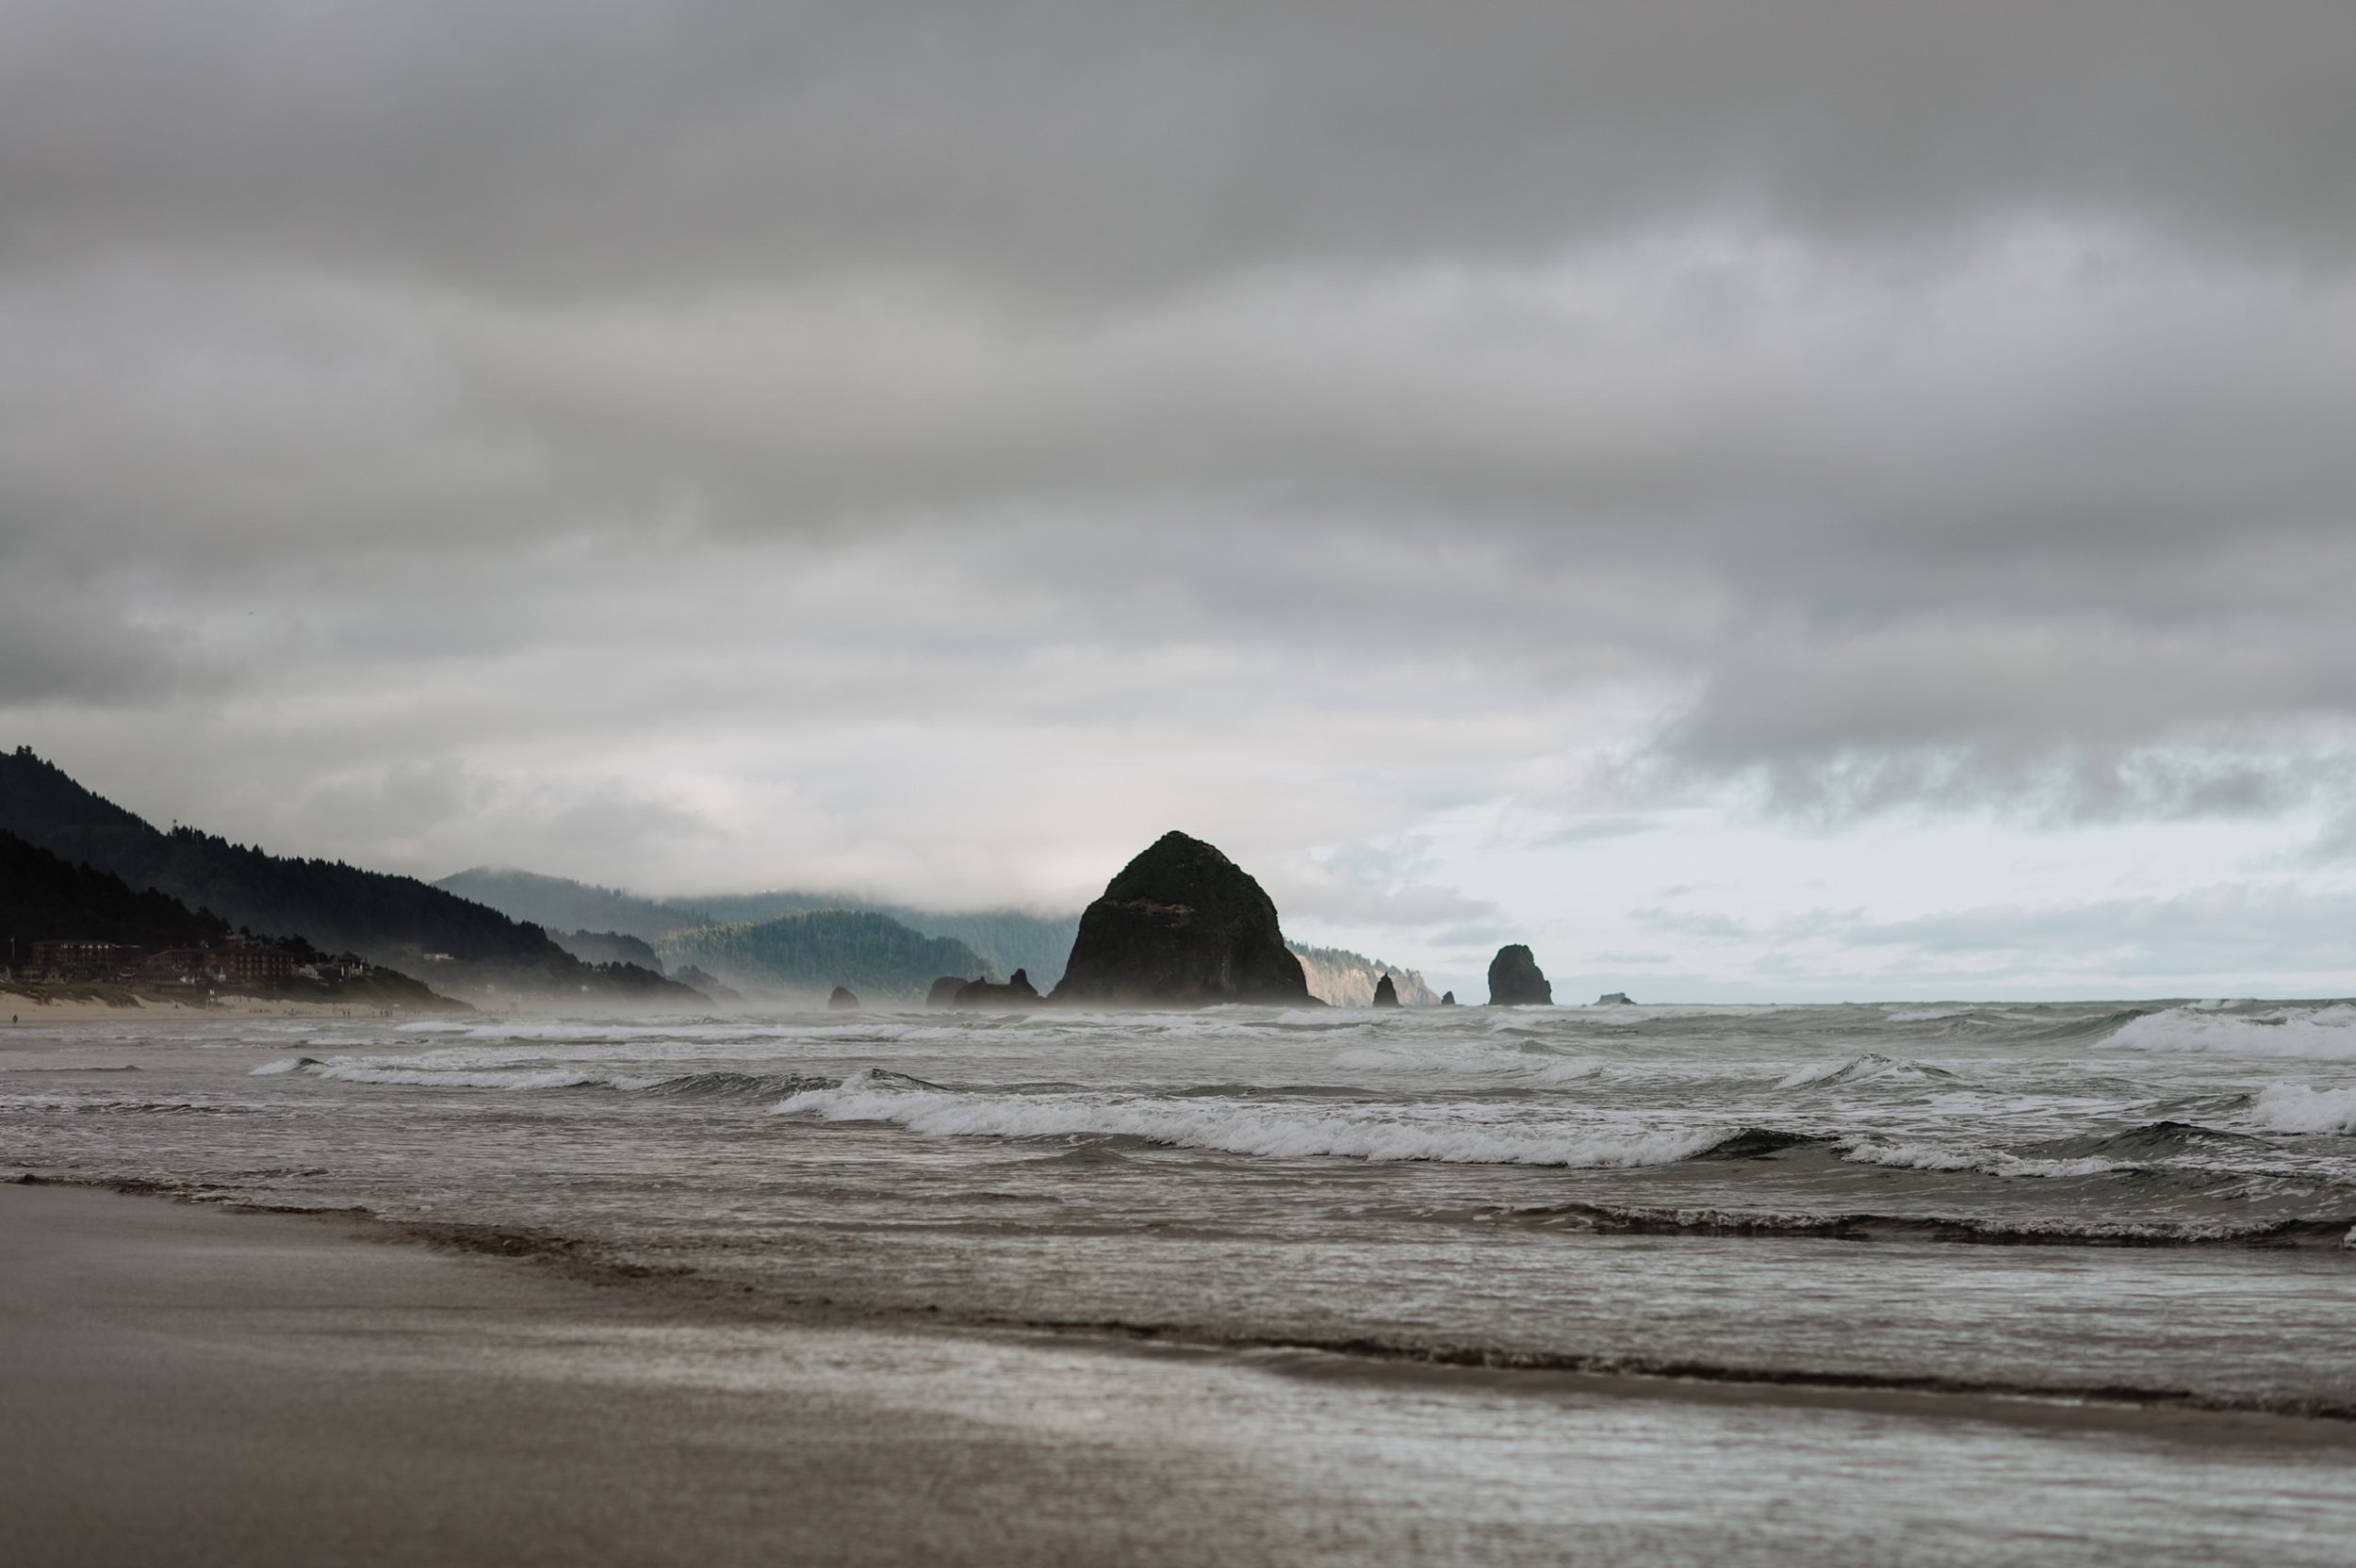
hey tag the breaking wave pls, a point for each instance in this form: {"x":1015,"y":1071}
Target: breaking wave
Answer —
{"x":2296,"y":1108}
{"x":1396,"y":1133}
{"x":715,"y":1086}
{"x":2320,"y":1034}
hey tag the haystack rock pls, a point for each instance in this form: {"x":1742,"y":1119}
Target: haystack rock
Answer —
{"x":1613,"y":999}
{"x":944,"y":991}
{"x":1385,"y":994}
{"x":1017,"y":993}
{"x":1448,"y":999}
{"x":1515,"y":980}
{"x":1182,"y":926}
{"x":843,"y":998}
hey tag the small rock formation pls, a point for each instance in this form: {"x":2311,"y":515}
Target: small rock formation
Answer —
{"x":1017,"y":993}
{"x":1385,"y":994}
{"x":1182,"y":926}
{"x":1614,"y":999}
{"x":1448,"y":999}
{"x":944,"y":991}
{"x":842,"y":999}
{"x":1515,"y":980}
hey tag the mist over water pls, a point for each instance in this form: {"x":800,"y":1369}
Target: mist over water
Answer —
{"x":2155,"y":1202}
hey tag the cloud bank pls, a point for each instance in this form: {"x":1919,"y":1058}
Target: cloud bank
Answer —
{"x":934,"y":449}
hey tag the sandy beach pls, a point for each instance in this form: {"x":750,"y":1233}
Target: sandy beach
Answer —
{"x":45,"y":1006}
{"x":190,"y":1385}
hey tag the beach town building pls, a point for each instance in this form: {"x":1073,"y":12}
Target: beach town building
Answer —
{"x":80,"y":959}
{"x":250,"y":960}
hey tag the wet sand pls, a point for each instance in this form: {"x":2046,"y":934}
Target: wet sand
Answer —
{"x":183,"y":1384}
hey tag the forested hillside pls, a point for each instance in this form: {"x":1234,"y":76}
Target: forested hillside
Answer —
{"x":807,"y":955}
{"x":44,"y":897}
{"x":459,"y":945}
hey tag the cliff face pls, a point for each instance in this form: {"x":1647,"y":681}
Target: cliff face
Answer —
{"x":1341,"y":978}
{"x":1182,"y":926}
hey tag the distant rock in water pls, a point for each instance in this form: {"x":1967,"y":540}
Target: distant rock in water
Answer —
{"x":944,"y":991}
{"x":1448,"y":999}
{"x":1614,"y":999}
{"x":1017,"y":993}
{"x":1515,"y":980}
{"x":843,"y":999}
{"x":1182,"y":926}
{"x":1385,"y":994}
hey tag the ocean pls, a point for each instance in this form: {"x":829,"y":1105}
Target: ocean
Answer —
{"x":2143,"y":1202}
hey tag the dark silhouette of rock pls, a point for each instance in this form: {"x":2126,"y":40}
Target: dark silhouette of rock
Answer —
{"x":1182,"y":926}
{"x":1614,"y":999}
{"x":944,"y":991}
{"x":841,"y":998}
{"x":1515,"y":981}
{"x":1017,"y":993}
{"x":1385,"y":994}
{"x":1448,"y":999}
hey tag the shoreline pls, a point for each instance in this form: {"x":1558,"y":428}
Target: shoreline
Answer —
{"x":30,"y":1005}
{"x":681,"y":1296}
{"x":191,"y":1385}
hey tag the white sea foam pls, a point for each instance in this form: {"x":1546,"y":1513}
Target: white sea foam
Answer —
{"x":1918,"y":1157}
{"x":1468,"y":1135}
{"x":2320,"y":1034}
{"x":272,"y":1070}
{"x":2296,"y":1108}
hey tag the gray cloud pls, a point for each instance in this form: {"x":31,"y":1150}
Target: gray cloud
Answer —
{"x":608,"y":145}
{"x":690,"y":421}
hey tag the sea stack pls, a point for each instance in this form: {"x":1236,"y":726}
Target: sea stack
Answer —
{"x":1182,"y":926}
{"x":843,"y":999}
{"x":944,"y":990}
{"x":1448,"y":999}
{"x":1385,"y":994}
{"x":1515,"y":980}
{"x":1017,"y":993}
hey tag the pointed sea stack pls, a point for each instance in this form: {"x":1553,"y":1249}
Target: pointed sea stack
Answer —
{"x":1448,"y":999}
{"x":1182,"y":926}
{"x":1515,"y":980}
{"x":1385,"y":994}
{"x":843,"y":999}
{"x":1017,"y":993}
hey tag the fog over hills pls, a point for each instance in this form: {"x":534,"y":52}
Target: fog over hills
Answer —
{"x":1000,"y":940}
{"x":586,"y":917}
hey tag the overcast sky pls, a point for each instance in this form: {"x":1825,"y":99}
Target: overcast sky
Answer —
{"x":1757,"y":499}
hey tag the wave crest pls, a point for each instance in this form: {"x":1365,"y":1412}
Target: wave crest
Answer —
{"x":2296,"y":1108}
{"x":2319,"y":1033}
{"x":1286,"y":1132}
